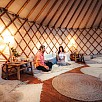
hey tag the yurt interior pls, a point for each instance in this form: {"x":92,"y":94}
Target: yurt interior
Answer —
{"x":50,"y":50}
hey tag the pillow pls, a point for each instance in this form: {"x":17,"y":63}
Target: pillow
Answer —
{"x":98,"y":59}
{"x":87,"y":57}
{"x":67,"y":57}
{"x":99,"y":55}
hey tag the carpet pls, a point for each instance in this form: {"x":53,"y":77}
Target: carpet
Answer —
{"x":56,"y":70}
{"x":95,"y":65}
{"x":10,"y":85}
{"x":94,"y":71}
{"x":30,"y":92}
{"x":78,"y":86}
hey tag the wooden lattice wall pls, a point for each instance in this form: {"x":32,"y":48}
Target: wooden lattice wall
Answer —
{"x":28,"y":36}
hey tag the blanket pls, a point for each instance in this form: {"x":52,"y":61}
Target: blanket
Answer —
{"x":56,"y":70}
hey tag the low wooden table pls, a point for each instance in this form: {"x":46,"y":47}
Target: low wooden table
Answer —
{"x":77,"y":57}
{"x":18,"y":66}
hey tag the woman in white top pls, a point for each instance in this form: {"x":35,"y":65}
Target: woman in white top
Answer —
{"x":61,"y":56}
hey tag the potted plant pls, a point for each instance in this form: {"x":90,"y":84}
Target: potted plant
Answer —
{"x":15,"y":53}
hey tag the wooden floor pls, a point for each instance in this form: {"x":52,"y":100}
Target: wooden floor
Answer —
{"x":49,"y":94}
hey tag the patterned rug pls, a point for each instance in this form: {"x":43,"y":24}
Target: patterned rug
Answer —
{"x":94,"y":71}
{"x":29,"y":92}
{"x":79,"y":86}
{"x":56,"y":70}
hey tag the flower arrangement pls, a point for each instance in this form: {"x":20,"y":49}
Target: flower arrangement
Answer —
{"x":15,"y":53}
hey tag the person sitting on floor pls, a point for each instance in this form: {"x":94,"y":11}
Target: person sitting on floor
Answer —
{"x":39,"y":60}
{"x":61,"y":56}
